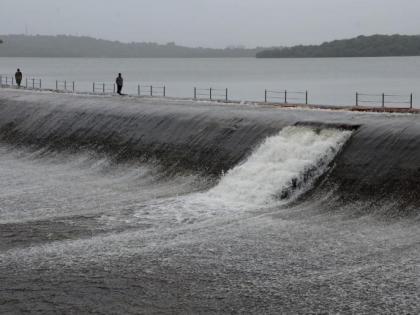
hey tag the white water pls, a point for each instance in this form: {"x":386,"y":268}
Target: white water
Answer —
{"x":276,"y":163}
{"x":258,"y":182}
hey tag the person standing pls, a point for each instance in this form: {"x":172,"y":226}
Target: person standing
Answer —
{"x":18,"y":77}
{"x":119,"y":81}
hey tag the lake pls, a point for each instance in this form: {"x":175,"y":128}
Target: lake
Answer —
{"x":329,"y":81}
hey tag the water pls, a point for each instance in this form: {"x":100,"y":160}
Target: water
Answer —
{"x":279,"y":163}
{"x":117,"y":205}
{"x":331,"y":81}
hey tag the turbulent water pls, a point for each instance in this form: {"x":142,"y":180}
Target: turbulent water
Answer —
{"x":132,"y":206}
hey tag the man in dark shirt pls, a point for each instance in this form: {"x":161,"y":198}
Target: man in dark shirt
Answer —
{"x":119,"y":81}
{"x":18,"y":77}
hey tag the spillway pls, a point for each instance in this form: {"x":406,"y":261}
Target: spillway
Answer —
{"x":148,"y":205}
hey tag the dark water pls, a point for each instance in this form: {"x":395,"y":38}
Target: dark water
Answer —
{"x":124,"y":206}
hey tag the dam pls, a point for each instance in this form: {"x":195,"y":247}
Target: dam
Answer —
{"x":150,"y":205}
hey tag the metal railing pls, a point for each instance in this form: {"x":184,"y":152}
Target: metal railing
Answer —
{"x":382,"y":100}
{"x":403,"y":101}
{"x":65,"y":86}
{"x":103,"y":88}
{"x":151,"y":90}
{"x":6,"y":80}
{"x":33,"y":83}
{"x":211,"y":94}
{"x":285,"y":97}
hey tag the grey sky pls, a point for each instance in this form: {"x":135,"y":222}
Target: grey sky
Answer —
{"x":212,"y":23}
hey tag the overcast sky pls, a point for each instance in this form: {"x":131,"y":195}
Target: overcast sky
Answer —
{"x":212,"y":23}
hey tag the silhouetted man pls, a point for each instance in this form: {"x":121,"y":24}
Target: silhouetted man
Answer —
{"x":18,"y":77}
{"x":119,"y":81}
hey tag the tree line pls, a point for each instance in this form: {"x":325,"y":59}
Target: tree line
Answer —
{"x":362,"y":46}
{"x":82,"y":46}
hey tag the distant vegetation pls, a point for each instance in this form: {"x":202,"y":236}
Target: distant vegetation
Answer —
{"x":74,"y":46}
{"x":362,"y":46}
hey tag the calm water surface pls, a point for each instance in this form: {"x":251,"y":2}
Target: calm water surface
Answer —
{"x":332,"y":81}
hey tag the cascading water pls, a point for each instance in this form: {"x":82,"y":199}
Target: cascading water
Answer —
{"x":281,"y":166}
{"x":281,"y":163}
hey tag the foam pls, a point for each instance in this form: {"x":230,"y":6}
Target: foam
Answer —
{"x":279,"y":164}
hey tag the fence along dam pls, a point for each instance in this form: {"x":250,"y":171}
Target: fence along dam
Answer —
{"x":150,"y":205}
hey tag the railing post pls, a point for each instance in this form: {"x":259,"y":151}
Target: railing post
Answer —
{"x":265,"y":96}
{"x":26,"y":82}
{"x":195,"y":93}
{"x":56,"y":85}
{"x":210,"y":93}
{"x":93,"y":87}
{"x":227,"y":95}
{"x":73,"y":86}
{"x":40,"y":84}
{"x":411,"y":101}
{"x":151,"y":90}
{"x":164,"y":91}
{"x":306,"y":97}
{"x":33,"y":83}
{"x":357,"y":99}
{"x":285,"y":97}
{"x":103,"y":88}
{"x":65,"y":85}
{"x":383,"y":100}
{"x":12,"y":81}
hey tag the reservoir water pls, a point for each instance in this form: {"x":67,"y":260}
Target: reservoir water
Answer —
{"x":329,"y":81}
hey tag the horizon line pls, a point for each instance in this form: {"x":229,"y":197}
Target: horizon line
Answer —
{"x":231,"y":46}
